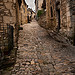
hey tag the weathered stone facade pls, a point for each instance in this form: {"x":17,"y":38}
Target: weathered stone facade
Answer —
{"x":40,"y":2}
{"x":23,"y":11}
{"x":29,"y":14}
{"x":38,"y":5}
{"x":9,"y":25}
{"x":60,"y":16}
{"x":7,"y":17}
{"x":33,"y":14}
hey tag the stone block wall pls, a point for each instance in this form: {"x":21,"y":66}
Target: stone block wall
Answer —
{"x":33,"y":15}
{"x":23,"y":11}
{"x":7,"y":12}
{"x":65,"y":16}
{"x":40,"y":2}
{"x":26,"y":20}
{"x":29,"y":14}
{"x":68,"y":18}
{"x":38,"y":6}
{"x":72,"y":12}
{"x":8,"y":25}
{"x":60,"y":16}
{"x":51,"y":13}
{"x":10,"y":16}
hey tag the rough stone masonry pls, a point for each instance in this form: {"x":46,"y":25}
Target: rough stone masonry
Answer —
{"x":9,"y":25}
{"x":60,"y":16}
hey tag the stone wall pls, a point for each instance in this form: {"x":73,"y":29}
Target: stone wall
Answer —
{"x":72,"y":11}
{"x":48,"y":12}
{"x":33,"y":15}
{"x":38,"y":6}
{"x":65,"y":15}
{"x":29,"y":14}
{"x":7,"y":17}
{"x":23,"y":11}
{"x":60,"y":16}
{"x":10,"y":20}
{"x":9,"y":24}
{"x":26,"y":20}
{"x":67,"y":18}
{"x":40,"y":2}
{"x":7,"y":12}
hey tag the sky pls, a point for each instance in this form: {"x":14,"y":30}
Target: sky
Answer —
{"x":31,"y":4}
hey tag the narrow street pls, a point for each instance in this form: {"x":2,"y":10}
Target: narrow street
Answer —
{"x":37,"y":37}
{"x":40,"y":54}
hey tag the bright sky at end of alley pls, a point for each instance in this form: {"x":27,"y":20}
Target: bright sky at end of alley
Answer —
{"x":31,"y":4}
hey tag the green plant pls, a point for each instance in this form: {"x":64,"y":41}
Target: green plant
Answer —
{"x":40,"y":12}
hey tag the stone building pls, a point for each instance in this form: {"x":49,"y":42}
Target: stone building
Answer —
{"x":29,"y":14}
{"x":60,"y":16}
{"x":40,"y":2}
{"x":44,"y":4}
{"x":23,"y":10}
{"x":33,"y":14}
{"x":9,"y":26}
{"x":38,"y":5}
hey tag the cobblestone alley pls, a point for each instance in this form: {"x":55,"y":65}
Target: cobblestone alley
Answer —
{"x":40,"y":54}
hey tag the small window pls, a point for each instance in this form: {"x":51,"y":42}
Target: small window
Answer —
{"x":51,"y":12}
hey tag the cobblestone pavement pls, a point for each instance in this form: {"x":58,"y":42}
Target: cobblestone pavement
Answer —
{"x":40,"y":54}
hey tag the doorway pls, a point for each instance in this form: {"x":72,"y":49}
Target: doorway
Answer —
{"x":58,"y":13}
{"x":58,"y":16}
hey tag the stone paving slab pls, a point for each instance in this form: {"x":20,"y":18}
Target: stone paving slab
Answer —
{"x":39,"y":54}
